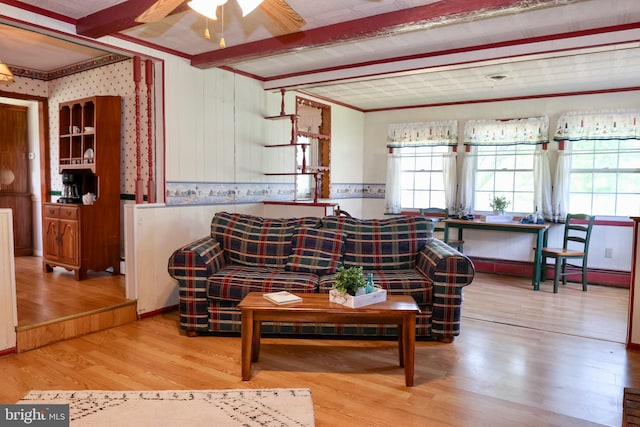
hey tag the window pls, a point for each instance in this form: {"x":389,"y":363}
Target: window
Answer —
{"x":505,"y":171}
{"x":599,"y":173}
{"x":605,"y":177}
{"x":421,"y":176}
{"x":421,"y":168}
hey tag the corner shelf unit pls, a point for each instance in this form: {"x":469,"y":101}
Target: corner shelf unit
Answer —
{"x":304,"y":169}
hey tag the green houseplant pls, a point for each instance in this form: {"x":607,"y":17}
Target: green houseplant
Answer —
{"x":349,"y":280}
{"x":499,"y":204}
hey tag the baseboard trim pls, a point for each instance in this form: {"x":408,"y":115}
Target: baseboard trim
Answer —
{"x":158,"y":312}
{"x":603,"y":277}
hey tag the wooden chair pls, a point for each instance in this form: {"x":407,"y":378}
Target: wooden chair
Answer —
{"x":437,"y":215}
{"x":339,"y":212}
{"x":577,"y":232}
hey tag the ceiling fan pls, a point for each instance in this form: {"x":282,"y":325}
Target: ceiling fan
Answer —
{"x":282,"y":15}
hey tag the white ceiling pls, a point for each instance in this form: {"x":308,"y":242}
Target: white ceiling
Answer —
{"x":381,"y":54}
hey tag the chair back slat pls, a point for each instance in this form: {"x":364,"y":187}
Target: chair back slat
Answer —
{"x":577,"y":229}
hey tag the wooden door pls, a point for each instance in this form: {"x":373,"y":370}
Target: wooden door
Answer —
{"x":14,"y":175}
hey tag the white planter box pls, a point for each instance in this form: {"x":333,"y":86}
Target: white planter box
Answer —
{"x":499,"y":218}
{"x":378,"y":295}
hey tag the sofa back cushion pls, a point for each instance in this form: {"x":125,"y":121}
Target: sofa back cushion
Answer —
{"x":382,"y":244}
{"x":256,"y":241}
{"x":315,"y":251}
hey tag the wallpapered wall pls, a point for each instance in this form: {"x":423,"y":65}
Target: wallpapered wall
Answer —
{"x":115,"y":80}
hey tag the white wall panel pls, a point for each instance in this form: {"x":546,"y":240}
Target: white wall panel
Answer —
{"x":8,"y":310}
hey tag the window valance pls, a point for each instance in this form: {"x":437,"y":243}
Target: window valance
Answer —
{"x":534,"y":130}
{"x":598,"y":125}
{"x":423,"y":134}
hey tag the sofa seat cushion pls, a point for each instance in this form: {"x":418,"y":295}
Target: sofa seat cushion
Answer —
{"x":382,"y":244}
{"x":315,"y":251}
{"x":396,"y":282}
{"x":256,"y":241}
{"x":234,"y":282}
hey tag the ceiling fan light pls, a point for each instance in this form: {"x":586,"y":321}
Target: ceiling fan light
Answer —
{"x":248,"y":6}
{"x":5,"y":73}
{"x":206,"y":7}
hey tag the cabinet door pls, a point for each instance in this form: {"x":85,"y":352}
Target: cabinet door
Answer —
{"x":51,"y":240}
{"x":69,"y":242}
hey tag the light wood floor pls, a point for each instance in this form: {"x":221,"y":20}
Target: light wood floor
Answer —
{"x":501,"y":371}
{"x":45,"y":296}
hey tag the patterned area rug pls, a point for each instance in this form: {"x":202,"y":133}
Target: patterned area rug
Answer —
{"x":266,"y":407}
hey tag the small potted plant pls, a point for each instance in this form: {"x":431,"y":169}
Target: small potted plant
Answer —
{"x":350,"y":281}
{"x":349,"y":288}
{"x":499,"y":204}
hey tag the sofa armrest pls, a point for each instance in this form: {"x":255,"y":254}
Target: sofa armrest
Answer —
{"x":445,"y":265}
{"x":191,"y":265}
{"x":450,"y":271}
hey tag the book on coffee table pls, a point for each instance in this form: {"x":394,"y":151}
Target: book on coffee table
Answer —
{"x":282,"y":297}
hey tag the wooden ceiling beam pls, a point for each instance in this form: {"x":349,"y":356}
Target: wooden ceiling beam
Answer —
{"x":434,"y":14}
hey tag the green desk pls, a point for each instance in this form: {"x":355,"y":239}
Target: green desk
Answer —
{"x":540,"y":230}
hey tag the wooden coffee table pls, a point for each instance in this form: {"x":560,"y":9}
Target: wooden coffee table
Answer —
{"x":397,"y":309}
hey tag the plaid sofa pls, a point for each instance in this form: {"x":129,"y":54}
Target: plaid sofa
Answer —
{"x":247,"y":253}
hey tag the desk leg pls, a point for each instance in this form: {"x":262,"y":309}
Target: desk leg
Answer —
{"x":409,"y":346}
{"x":537,"y":261}
{"x":247,"y":341}
{"x":446,"y":233}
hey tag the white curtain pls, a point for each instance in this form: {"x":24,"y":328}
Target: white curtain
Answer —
{"x":533,"y":130}
{"x":423,"y":133}
{"x":561,"y":186}
{"x":467,"y":183}
{"x":392,"y":195}
{"x":449,"y":172}
{"x":599,"y":125}
{"x":542,"y":183}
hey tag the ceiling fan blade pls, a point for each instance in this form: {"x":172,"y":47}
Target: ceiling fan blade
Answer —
{"x":158,"y":11}
{"x":282,"y":15}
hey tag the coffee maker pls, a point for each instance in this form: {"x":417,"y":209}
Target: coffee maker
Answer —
{"x":71,"y":188}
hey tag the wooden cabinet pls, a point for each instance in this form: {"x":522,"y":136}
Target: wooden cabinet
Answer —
{"x":62,"y":235}
{"x":87,"y":237}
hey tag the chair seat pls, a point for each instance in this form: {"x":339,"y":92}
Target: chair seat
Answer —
{"x":555,"y":252}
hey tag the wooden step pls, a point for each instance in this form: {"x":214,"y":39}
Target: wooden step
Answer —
{"x":41,"y":334}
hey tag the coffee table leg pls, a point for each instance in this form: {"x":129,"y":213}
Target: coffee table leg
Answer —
{"x":401,"y":343}
{"x":409,"y":338}
{"x":247,"y":341}
{"x":255,"y":345}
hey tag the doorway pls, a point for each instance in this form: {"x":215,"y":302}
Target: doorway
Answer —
{"x":15,"y":189}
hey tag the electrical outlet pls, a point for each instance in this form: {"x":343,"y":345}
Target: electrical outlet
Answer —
{"x":608,"y":252}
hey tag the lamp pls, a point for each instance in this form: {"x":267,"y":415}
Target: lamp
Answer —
{"x":5,"y":73}
{"x":248,"y":6}
{"x":206,"y":7}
